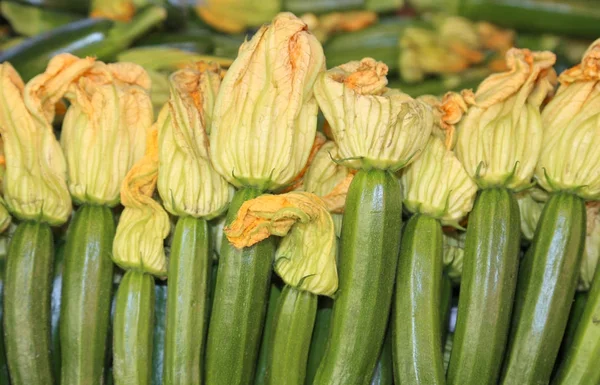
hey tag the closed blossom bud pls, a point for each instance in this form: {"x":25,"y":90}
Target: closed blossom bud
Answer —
{"x":570,"y":160}
{"x":531,"y":203}
{"x":500,"y":136}
{"x":104,"y":130}
{"x":373,"y":126}
{"x":187,"y":182}
{"x":265,"y":115}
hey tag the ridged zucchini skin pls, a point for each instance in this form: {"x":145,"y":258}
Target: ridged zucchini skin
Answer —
{"x":319,"y":338}
{"x":580,"y":365}
{"x":384,"y":371}
{"x":27,"y":304}
{"x":133,"y":329}
{"x":488,"y":284}
{"x":86,"y":295}
{"x":261,"y":364}
{"x":158,"y":341}
{"x":547,"y":283}
{"x":370,"y":243}
{"x":291,"y":334}
{"x":416,"y":334}
{"x":239,"y":306}
{"x":190,"y":265}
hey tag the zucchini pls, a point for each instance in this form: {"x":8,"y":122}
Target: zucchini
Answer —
{"x":27,"y":304}
{"x":580,"y":365}
{"x":488,"y":284}
{"x":261,"y":365}
{"x":132,"y":330}
{"x":289,"y":343}
{"x":86,"y":295}
{"x":319,"y":337}
{"x":370,"y":242}
{"x":416,"y":332}
{"x":239,"y":306}
{"x":446,"y":307}
{"x":189,"y":280}
{"x":547,"y":283}
{"x":55,"y":304}
{"x":158,"y":340}
{"x":384,"y":371}
{"x":575,"y":314}
{"x":4,"y":378}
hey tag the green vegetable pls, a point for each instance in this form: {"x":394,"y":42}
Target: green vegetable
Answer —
{"x":55,"y":304}
{"x":4,"y":377}
{"x":158,"y":341}
{"x":323,"y":6}
{"x":577,"y":310}
{"x":545,"y":291}
{"x":319,"y":338}
{"x":189,"y":283}
{"x":384,"y":371}
{"x":370,"y":242}
{"x":488,"y":283}
{"x":86,"y":294}
{"x":445,"y":308}
{"x":30,"y":20}
{"x":133,"y":329}
{"x":416,"y":334}
{"x":27,"y":304}
{"x":239,"y":306}
{"x":261,"y":366}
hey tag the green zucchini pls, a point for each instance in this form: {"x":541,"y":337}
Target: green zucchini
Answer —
{"x":488,"y":283}
{"x":158,"y":341}
{"x":29,"y":20}
{"x":319,"y":337}
{"x":575,"y":314}
{"x":4,"y":378}
{"x":547,"y":283}
{"x":384,"y":371}
{"x":416,"y":333}
{"x":55,"y":303}
{"x":289,"y":343}
{"x":239,"y":306}
{"x":189,"y":280}
{"x":79,"y":6}
{"x":27,"y":304}
{"x":86,"y":295}
{"x":580,"y":365}
{"x":370,"y":242}
{"x":133,"y":329}
{"x":446,"y":307}
{"x":261,"y":365}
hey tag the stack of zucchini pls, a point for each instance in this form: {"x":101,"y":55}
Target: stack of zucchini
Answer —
{"x":149,"y":193}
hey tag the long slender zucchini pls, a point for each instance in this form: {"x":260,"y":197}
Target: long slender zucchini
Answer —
{"x":189,"y":284}
{"x":158,"y":340}
{"x":416,"y":334}
{"x":86,"y":295}
{"x":384,"y":371}
{"x":261,"y":364}
{"x":370,"y":242}
{"x":487,"y":289}
{"x":575,"y":314}
{"x":580,"y":365}
{"x":55,"y":303}
{"x":27,"y":304}
{"x":289,"y":343}
{"x":239,"y":306}
{"x":547,"y":283}
{"x":132,"y":338}
{"x":319,"y":337}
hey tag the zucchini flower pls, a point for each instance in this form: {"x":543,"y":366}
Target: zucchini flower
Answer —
{"x":591,"y":253}
{"x":306,"y":256}
{"x":144,"y":224}
{"x":500,"y":136}
{"x":265,"y":115}
{"x":121,"y":10}
{"x":453,"y":254}
{"x":447,"y":113}
{"x":5,"y":218}
{"x":187,"y":181}
{"x":324,"y":26}
{"x":570,"y":158}
{"x":436,"y":184}
{"x":35,"y":181}
{"x":104,"y":130}
{"x":234,"y":16}
{"x":531,"y":203}
{"x":373,"y":125}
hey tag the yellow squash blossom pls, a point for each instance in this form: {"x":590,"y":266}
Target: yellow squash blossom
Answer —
{"x":187,"y":181}
{"x":306,"y":256}
{"x":35,"y":180}
{"x":5,"y":218}
{"x":372,"y":125}
{"x":104,"y":130}
{"x":265,"y":115}
{"x":500,"y":136}
{"x":570,"y":159}
{"x":144,"y":224}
